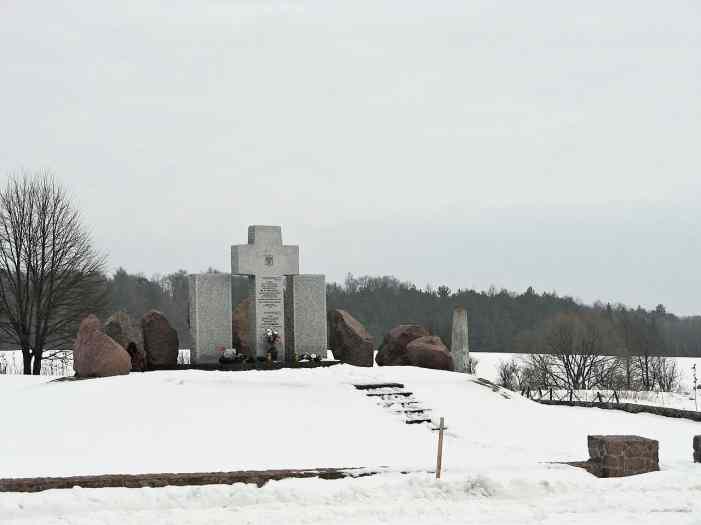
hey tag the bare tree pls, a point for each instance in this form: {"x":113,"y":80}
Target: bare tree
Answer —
{"x":50,"y":275}
{"x":666,"y":373}
{"x":510,"y":374}
{"x":575,"y":352}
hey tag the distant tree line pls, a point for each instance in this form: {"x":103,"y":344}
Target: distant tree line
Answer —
{"x":504,"y":321}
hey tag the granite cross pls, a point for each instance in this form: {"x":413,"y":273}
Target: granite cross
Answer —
{"x":266,"y":261}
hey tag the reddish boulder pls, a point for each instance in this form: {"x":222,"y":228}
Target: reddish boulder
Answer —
{"x":95,"y":354}
{"x":240,"y":326}
{"x":124,"y":330}
{"x":429,"y":352}
{"x":393,"y":350}
{"x":348,"y":339}
{"x":160,"y":341}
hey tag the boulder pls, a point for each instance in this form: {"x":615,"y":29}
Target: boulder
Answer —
{"x":95,"y":354}
{"x":124,"y":330}
{"x":429,"y":352}
{"x":160,"y":341}
{"x":348,"y":339}
{"x":240,"y":326}
{"x":393,"y":350}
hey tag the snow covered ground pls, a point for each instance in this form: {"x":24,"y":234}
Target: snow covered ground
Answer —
{"x":497,"y":458}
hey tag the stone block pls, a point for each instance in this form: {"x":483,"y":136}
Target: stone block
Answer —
{"x":619,"y":456}
{"x":210,"y":316}
{"x":305,"y":315}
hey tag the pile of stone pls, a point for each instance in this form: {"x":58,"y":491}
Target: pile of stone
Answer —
{"x":413,"y":345}
{"x":122,"y":345}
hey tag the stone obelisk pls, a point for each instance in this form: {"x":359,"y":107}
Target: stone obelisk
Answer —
{"x":460,"y":347}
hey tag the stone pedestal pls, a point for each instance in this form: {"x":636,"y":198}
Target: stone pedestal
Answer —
{"x":210,"y":316}
{"x":305,"y":315}
{"x":460,"y":347}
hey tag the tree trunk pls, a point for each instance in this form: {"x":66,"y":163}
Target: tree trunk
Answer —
{"x":36,"y":366}
{"x":27,"y":361}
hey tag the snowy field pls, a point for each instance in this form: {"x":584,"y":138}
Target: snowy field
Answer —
{"x":499,"y":449}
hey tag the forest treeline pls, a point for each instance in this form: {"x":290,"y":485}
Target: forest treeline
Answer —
{"x":504,"y":321}
{"x":499,"y":320}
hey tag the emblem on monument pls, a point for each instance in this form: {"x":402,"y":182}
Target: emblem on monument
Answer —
{"x":268,"y":260}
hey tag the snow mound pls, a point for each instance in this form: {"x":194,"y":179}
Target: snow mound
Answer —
{"x":196,"y":421}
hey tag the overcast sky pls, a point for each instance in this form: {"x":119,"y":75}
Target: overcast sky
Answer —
{"x":472,"y":143}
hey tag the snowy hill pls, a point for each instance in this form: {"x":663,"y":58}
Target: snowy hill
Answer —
{"x":209,"y":421}
{"x":497,"y":442}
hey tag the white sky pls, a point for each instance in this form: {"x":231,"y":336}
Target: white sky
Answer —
{"x":554,"y":144}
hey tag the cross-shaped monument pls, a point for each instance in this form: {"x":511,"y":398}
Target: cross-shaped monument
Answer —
{"x":267,"y":262}
{"x":282,"y":300}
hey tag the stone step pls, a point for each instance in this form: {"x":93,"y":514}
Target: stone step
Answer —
{"x":399,"y":401}
{"x":380,"y":394}
{"x":412,"y":405}
{"x":417,"y":421}
{"x":372,"y":386}
{"x":384,"y":390}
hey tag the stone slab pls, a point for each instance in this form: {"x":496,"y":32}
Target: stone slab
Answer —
{"x":267,"y":312}
{"x":305,"y":315}
{"x":210,"y":316}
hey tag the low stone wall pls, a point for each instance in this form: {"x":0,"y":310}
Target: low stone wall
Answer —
{"x":629,"y":407}
{"x":619,"y":456}
{"x":257,"y":477}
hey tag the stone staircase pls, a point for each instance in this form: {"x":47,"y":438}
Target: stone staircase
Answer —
{"x":399,"y":401}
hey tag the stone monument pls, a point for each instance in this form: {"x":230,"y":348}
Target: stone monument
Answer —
{"x":460,"y":347}
{"x":282,"y":300}
{"x":267,"y":262}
